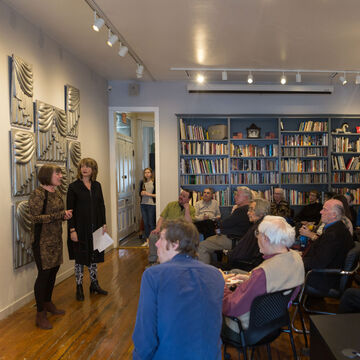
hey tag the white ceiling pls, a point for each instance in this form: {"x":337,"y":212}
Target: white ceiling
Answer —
{"x":286,"y":34}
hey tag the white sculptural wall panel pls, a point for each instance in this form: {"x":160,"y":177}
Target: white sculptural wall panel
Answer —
{"x":72,"y":107}
{"x":51,"y":130}
{"x":74,"y":156}
{"x":23,"y":162}
{"x":21,"y":93}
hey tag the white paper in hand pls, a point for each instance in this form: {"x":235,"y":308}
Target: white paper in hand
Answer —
{"x":100,"y":241}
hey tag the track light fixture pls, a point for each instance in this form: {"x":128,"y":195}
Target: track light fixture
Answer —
{"x":357,"y":79}
{"x":224,"y":76}
{"x":139,"y":71}
{"x":123,"y":50}
{"x":343,"y":79}
{"x":298,"y":77}
{"x":112,"y":39}
{"x":98,"y":22}
{"x":250,"y":78}
{"x":200,"y":78}
{"x":283,"y":79}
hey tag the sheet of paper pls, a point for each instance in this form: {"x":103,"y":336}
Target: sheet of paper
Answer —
{"x":100,"y":241}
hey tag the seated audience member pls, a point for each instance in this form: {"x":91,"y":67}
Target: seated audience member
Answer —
{"x":350,"y":301}
{"x":207,"y":211}
{"x":179,"y":312}
{"x":180,"y":209}
{"x":247,"y":249}
{"x":350,"y":199}
{"x":232,"y":228}
{"x":282,"y":269}
{"x":329,"y":250}
{"x":279,"y":206}
{"x":311,"y":211}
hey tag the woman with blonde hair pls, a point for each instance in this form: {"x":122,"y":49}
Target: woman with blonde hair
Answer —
{"x":86,"y":199}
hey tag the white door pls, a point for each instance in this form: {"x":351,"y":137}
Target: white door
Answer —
{"x":125,"y":186}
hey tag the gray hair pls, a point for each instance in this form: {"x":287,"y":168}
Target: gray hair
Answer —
{"x":246,"y":191}
{"x":277,"y":230}
{"x":262,"y":207}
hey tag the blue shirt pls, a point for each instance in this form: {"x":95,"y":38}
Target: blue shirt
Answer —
{"x":179,"y":312}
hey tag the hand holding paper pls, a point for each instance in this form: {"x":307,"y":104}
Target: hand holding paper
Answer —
{"x":101,"y":240}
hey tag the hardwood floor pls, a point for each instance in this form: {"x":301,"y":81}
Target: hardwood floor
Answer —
{"x":100,"y":327}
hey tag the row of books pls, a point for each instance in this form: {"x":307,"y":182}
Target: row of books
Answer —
{"x":342,"y":144}
{"x":338,"y":163}
{"x":255,"y":178}
{"x":192,"y":132}
{"x":305,"y":140}
{"x":304,"y":178}
{"x":204,"y":166}
{"x":302,"y":152}
{"x":264,"y":194}
{"x":343,"y":191}
{"x":297,"y":165}
{"x":204,"y":179}
{"x":221,"y":196}
{"x":298,"y":197}
{"x":342,"y":177}
{"x":254,"y":164}
{"x":254,"y":150}
{"x":204,"y":148}
{"x":313,"y":126}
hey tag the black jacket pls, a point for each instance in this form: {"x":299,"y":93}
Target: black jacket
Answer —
{"x":88,"y":215}
{"x":237,"y":224}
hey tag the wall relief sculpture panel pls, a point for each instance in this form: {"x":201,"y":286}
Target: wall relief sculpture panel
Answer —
{"x":22,"y":234}
{"x":23,"y":162}
{"x":74,"y":156}
{"x":21,"y":93}
{"x":72,"y":107}
{"x":51,"y":130}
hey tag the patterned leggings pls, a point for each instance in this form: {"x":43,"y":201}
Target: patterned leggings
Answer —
{"x":79,"y":273}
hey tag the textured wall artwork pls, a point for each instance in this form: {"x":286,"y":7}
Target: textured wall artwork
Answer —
{"x":21,"y":93}
{"x":72,"y":107}
{"x":51,"y":129}
{"x":23,"y":162}
{"x":74,"y":156}
{"x":22,"y":234}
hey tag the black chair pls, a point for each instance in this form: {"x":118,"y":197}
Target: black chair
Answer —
{"x":343,"y":277}
{"x":269,"y":317}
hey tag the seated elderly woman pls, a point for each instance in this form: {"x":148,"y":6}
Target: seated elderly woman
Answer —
{"x":282,"y":269}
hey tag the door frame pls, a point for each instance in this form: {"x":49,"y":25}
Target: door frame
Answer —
{"x":112,"y":132}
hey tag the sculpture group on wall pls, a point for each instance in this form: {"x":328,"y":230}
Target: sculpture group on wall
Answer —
{"x":52,"y":139}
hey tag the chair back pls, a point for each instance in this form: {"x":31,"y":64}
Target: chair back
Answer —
{"x":268,"y":315}
{"x":350,"y":263}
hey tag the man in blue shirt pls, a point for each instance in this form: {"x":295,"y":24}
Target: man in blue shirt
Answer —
{"x":179,"y":314}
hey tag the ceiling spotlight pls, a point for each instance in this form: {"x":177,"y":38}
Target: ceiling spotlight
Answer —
{"x":283,"y":79}
{"x":357,"y":79}
{"x":123,"y":50}
{"x":139,"y":71}
{"x":224,"y":75}
{"x":250,"y":78}
{"x":112,"y":39}
{"x":200,"y":78}
{"x":98,"y":22}
{"x":298,"y":77}
{"x":343,"y":79}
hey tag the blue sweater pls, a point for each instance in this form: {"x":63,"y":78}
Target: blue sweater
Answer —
{"x":179,"y":314}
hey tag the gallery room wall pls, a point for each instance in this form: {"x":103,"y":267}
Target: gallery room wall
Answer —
{"x":172,"y":98}
{"x":53,"y":67}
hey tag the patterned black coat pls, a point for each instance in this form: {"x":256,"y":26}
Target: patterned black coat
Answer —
{"x":88,"y":215}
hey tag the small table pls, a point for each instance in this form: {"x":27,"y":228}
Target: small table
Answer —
{"x":330,"y":334}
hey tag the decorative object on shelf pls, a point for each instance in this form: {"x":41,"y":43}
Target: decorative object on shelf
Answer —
{"x":72,"y":108}
{"x":342,"y":129}
{"x":217,"y":132}
{"x":21,"y":93}
{"x":22,"y":234}
{"x":237,"y":135}
{"x":253,"y":132}
{"x":23,"y":162}
{"x":358,"y":129}
{"x":74,"y":156}
{"x":51,"y":130}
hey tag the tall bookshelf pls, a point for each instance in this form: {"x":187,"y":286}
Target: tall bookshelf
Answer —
{"x":297,"y":152}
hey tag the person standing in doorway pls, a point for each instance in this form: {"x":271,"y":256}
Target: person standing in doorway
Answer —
{"x":86,"y":200}
{"x":147,"y":204}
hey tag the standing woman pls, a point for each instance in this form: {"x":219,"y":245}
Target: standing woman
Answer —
{"x":86,"y":200}
{"x":147,"y":204}
{"x":47,"y":212}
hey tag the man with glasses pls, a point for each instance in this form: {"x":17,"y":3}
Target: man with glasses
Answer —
{"x":207,"y":212}
{"x":279,"y":206}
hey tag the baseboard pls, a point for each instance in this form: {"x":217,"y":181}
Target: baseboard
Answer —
{"x":17,"y":304}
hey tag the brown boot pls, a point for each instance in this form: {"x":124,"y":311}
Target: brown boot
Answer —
{"x":41,"y":320}
{"x":49,"y":306}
